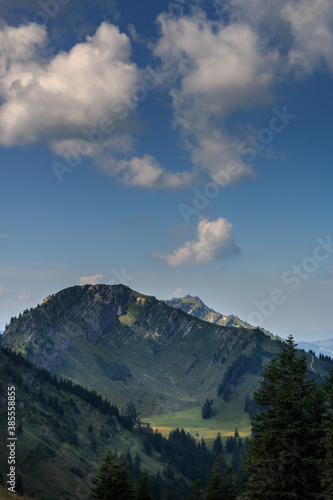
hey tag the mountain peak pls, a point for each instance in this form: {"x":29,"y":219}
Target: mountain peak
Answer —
{"x":124,"y":343}
{"x":189,"y":297}
{"x":196,"y":307}
{"x":133,"y":347}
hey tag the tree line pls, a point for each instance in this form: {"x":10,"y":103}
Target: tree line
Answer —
{"x":289,"y":455}
{"x":120,"y":477}
{"x":88,"y":395}
{"x":290,"y":452}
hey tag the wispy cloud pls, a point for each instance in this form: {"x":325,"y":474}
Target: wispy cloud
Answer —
{"x":145,"y":172}
{"x":214,"y":240}
{"x":91,"y":280}
{"x":217,"y":68}
{"x":177,"y":292}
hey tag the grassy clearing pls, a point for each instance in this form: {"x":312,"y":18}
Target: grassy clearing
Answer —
{"x":224,"y":422}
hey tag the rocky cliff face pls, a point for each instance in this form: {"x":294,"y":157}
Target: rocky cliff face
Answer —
{"x":84,"y":311}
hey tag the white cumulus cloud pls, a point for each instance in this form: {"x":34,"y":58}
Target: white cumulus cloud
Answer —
{"x":91,"y":280}
{"x":80,"y":102}
{"x":214,"y":239}
{"x":57,"y":98}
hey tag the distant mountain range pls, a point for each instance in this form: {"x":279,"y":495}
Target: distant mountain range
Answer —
{"x":196,"y":307}
{"x":319,"y":346}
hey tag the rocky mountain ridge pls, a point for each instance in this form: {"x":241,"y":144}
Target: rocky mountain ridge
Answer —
{"x":196,"y":307}
{"x":132,"y":347}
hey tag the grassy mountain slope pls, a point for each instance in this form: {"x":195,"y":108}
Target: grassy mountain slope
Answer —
{"x":6,"y":495}
{"x":52,"y":465}
{"x":128,"y":346}
{"x":197,"y":308}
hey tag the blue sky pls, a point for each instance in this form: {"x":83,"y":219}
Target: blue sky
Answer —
{"x":174,"y":147}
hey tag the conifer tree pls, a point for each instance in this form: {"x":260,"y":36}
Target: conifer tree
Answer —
{"x":327,"y":478}
{"x":143,"y":489}
{"x":104,"y":479}
{"x":112,"y":480}
{"x":229,"y":447}
{"x":229,"y":484}
{"x":217,"y":445}
{"x":136,"y":466}
{"x":123,"y":486}
{"x":129,"y":461}
{"x":283,"y":459}
{"x":214,"y":490}
{"x":206,"y":409}
{"x":197,"y":491}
